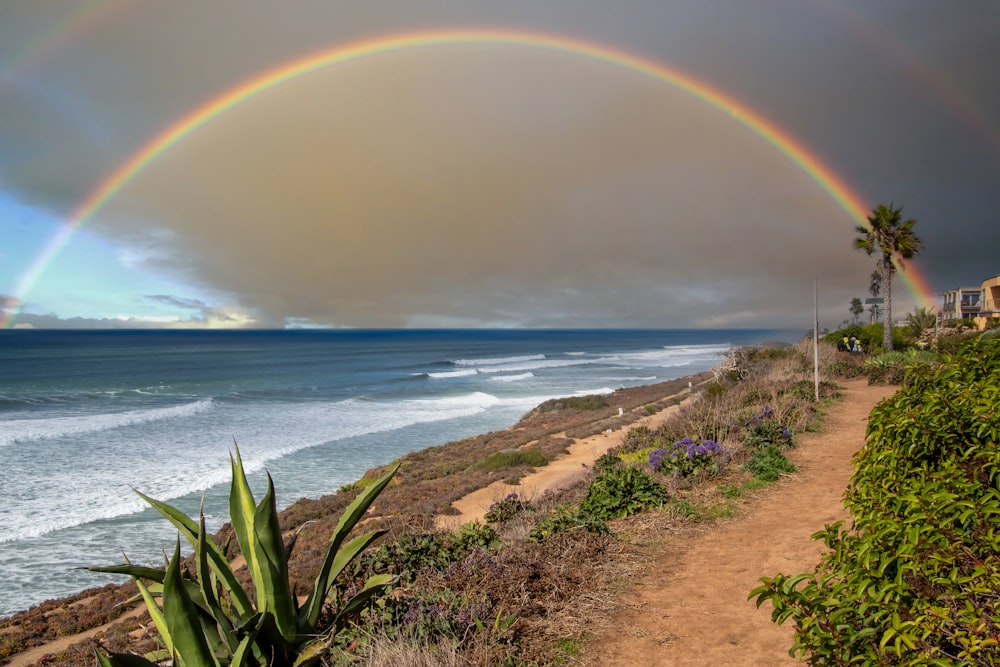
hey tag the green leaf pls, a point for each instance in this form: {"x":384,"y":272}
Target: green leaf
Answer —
{"x":156,"y":614}
{"x":134,"y":571}
{"x":123,"y":660}
{"x":241,"y":514}
{"x":189,"y":529}
{"x":352,"y":607}
{"x":273,"y":568}
{"x":309,"y":616}
{"x":181,"y":617}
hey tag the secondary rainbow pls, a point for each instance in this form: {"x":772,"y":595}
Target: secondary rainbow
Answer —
{"x":794,"y":150}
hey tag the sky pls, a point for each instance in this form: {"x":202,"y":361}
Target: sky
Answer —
{"x":557,"y":164}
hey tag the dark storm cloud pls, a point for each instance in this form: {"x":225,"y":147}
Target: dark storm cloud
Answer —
{"x":505,"y":186}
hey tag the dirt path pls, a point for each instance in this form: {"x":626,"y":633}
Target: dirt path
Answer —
{"x":692,"y":608}
{"x":561,"y":473}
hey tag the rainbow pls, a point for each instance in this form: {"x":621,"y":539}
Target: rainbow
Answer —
{"x":76,"y":23}
{"x":795,"y":151}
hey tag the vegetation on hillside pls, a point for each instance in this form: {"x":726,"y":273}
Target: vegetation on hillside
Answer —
{"x":515,"y":590}
{"x":914,"y":580}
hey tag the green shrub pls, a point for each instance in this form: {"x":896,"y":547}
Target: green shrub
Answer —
{"x":914,"y":580}
{"x":606,"y":462}
{"x":508,"y":508}
{"x":587,"y":403}
{"x":622,"y":492}
{"x":688,"y":457}
{"x":408,"y":555}
{"x":951,"y":344}
{"x":714,"y":389}
{"x":893,"y":367}
{"x":526,"y":456}
{"x":207,"y":618}
{"x":768,"y":463}
{"x":474,"y":535}
{"x":564,"y":518}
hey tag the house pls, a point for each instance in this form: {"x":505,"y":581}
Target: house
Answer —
{"x":989,"y":302}
{"x":960,"y":304}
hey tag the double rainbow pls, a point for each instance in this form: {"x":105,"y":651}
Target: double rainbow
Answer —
{"x":795,"y":151}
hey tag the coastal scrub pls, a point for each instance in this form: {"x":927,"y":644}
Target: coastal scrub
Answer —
{"x":914,"y":580}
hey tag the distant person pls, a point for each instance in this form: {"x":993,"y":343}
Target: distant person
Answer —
{"x":857,"y":346}
{"x":843,"y":345}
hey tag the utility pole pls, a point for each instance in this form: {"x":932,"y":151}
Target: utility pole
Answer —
{"x":816,"y":339}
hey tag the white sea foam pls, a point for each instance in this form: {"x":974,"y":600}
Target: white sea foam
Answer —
{"x":452,"y":374}
{"x":23,"y":430}
{"x":539,"y":364}
{"x":62,"y":499}
{"x":512,"y":378}
{"x":498,"y":360}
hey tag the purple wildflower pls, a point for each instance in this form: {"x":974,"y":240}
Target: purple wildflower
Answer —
{"x":656,"y":458}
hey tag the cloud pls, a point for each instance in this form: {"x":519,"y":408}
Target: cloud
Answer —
{"x":509,"y":186}
{"x":362,"y":202}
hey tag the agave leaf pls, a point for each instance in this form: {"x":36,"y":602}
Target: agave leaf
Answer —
{"x":181,"y":615}
{"x":273,"y":567}
{"x":156,"y":614}
{"x":241,"y":514}
{"x":223,"y":630}
{"x":123,"y":660}
{"x":352,"y":607}
{"x":313,"y":652}
{"x":135,"y":571}
{"x":189,"y":529}
{"x":314,"y":605}
{"x":248,"y":644}
{"x":333,"y":565}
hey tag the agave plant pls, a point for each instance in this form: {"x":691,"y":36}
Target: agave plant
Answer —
{"x":207,"y":619}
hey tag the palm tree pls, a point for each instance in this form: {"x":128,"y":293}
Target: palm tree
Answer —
{"x":875,"y":288}
{"x":921,"y":319}
{"x":856,"y":308}
{"x":893,"y":239}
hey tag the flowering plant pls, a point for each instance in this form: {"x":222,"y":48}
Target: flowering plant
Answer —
{"x":688,"y":456}
{"x":764,"y":430}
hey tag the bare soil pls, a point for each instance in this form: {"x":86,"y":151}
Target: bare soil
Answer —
{"x":690,"y":607}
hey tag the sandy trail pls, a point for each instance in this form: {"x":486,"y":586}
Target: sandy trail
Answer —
{"x":691,"y":608}
{"x":559,"y":474}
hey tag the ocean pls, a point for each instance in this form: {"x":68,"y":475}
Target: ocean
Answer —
{"x":87,"y":416}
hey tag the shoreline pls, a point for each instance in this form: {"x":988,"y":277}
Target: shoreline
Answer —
{"x":626,"y":408}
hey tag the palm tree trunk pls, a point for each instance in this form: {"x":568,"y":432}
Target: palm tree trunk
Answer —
{"x":887,"y":270}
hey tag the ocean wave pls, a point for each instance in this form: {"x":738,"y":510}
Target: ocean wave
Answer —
{"x":513,"y":378}
{"x":530,"y":365}
{"x":23,"y":430}
{"x":491,"y":361}
{"x":451,"y":374}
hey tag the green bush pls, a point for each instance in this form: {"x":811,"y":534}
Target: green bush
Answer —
{"x":621,"y":492}
{"x":508,"y":508}
{"x":564,"y":518}
{"x":519,"y":457}
{"x":870,"y":336}
{"x":914,"y":580}
{"x":208,"y":619}
{"x":606,"y":461}
{"x":763,"y":430}
{"x":768,"y":463}
{"x":587,"y":403}
{"x":893,"y":367}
